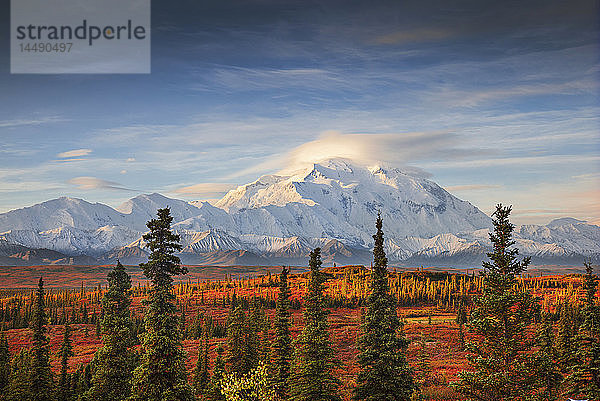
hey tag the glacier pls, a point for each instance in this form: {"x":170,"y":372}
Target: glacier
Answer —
{"x":278,"y":219}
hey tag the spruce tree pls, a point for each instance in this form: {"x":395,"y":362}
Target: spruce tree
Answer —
{"x":41,"y":380}
{"x":161,"y":375}
{"x":314,"y":360}
{"x":583,"y":378}
{"x":281,"y":357}
{"x":19,"y":387}
{"x":201,"y":376}
{"x":113,"y":360}
{"x":461,"y":319}
{"x":548,"y":371}
{"x":66,"y":351}
{"x":502,"y":368}
{"x":254,"y":324}
{"x":236,"y":341}
{"x":4,"y":363}
{"x":384,"y":371}
{"x":565,"y":340}
{"x":214,"y":387}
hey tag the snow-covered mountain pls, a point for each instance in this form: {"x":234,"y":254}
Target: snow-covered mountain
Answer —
{"x":279,"y":219}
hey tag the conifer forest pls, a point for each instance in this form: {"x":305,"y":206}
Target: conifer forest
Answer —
{"x":352,"y":332}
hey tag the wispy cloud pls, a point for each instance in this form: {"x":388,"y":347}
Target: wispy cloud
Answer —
{"x":395,"y":148}
{"x":74,"y":153}
{"x":237,"y":78}
{"x":31,"y":121}
{"x":205,"y":190}
{"x":514,"y":161}
{"x":470,"y":187}
{"x":415,"y":36}
{"x":91,"y":183}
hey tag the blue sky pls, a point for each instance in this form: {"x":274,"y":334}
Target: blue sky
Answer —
{"x":497,"y":101}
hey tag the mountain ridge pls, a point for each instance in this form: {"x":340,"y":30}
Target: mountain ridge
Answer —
{"x":277,"y":219}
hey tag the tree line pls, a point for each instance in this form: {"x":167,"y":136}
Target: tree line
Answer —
{"x":517,"y":349}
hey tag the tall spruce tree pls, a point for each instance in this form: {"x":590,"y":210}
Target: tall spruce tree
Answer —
{"x":565,"y":344}
{"x":66,"y":351}
{"x":19,"y":387}
{"x":4,"y":363}
{"x":236,"y":341}
{"x":314,"y":360}
{"x":254,"y":324}
{"x":41,"y":379}
{"x":114,"y":361}
{"x":281,"y":354}
{"x":201,"y":376}
{"x":502,"y":367}
{"x":548,"y":371}
{"x":583,"y":378}
{"x":161,"y":374}
{"x":214,"y":388}
{"x":384,"y":371}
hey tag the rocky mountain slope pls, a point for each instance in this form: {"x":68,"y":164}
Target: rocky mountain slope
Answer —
{"x":279,"y":219}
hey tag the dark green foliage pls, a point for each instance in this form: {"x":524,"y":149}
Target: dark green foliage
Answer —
{"x":281,"y":356}
{"x":66,"y":351}
{"x":461,"y":319}
{"x":240,"y":354}
{"x":548,"y":371}
{"x":82,"y":381}
{"x":19,"y":387}
{"x":114,"y":361}
{"x":568,"y":325}
{"x":41,"y":379}
{"x":314,"y":360}
{"x":384,"y":371}
{"x":254,"y":324}
{"x":214,"y":388}
{"x":264,"y":351}
{"x":584,"y":373}
{"x":201,"y":376}
{"x":161,"y":374}
{"x":4,"y":363}
{"x":500,"y":353}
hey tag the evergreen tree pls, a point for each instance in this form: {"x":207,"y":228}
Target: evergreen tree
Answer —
{"x":264,"y":352}
{"x":66,"y":351}
{"x":41,"y":379}
{"x":565,"y":344}
{"x":161,"y":375}
{"x":312,"y":378}
{"x":548,"y":372}
{"x":254,"y":324}
{"x":584,"y":376}
{"x":384,"y":371}
{"x":19,"y":387}
{"x":113,"y":360}
{"x":236,"y":341}
{"x":201,"y":376}
{"x":502,"y":366}
{"x":461,"y":319}
{"x":281,"y":357}
{"x":214,"y":388}
{"x":4,"y":363}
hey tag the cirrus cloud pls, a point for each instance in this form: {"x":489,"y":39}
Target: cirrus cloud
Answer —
{"x":91,"y":183}
{"x":74,"y":153}
{"x":205,"y":190}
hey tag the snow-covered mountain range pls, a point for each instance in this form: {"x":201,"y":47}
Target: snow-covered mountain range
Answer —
{"x":279,"y":219}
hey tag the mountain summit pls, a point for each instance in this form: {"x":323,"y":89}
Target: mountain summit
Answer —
{"x":279,"y":218}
